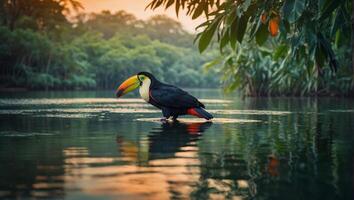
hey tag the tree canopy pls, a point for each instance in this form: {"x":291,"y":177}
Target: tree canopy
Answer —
{"x":313,"y":33}
{"x":42,"y":49}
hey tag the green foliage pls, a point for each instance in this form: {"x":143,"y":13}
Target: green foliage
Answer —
{"x":206,"y":36}
{"x":308,"y":35}
{"x":98,"y":51}
{"x":293,"y":9}
{"x":42,"y":15}
{"x":262,"y":72}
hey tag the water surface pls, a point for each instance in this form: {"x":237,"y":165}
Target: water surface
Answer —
{"x":88,"y":145}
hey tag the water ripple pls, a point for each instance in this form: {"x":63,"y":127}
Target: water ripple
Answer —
{"x":65,"y":101}
{"x":24,"y":134}
{"x":199,"y":120}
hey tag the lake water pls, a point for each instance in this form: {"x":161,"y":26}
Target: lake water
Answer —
{"x":89,"y":145}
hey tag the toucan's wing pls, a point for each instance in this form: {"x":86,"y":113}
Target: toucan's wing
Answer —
{"x":171,"y":96}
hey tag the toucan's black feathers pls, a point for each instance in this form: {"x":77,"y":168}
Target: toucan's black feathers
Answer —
{"x":171,"y":96}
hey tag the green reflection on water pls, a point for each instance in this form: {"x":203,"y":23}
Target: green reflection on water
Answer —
{"x":85,"y":148}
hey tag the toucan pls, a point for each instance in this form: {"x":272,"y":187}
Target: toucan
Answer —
{"x":172,"y":100}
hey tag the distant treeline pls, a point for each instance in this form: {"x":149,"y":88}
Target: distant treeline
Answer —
{"x":41,"y":49}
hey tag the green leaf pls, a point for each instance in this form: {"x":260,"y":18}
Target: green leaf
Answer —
{"x":328,"y":7}
{"x":245,"y":5}
{"x":212,"y":63}
{"x":255,"y":25}
{"x":206,"y":23}
{"x":224,"y":40}
{"x":296,"y":42}
{"x":207,"y":35}
{"x":338,"y":38}
{"x":329,"y":51}
{"x":280,"y":51}
{"x":320,"y":55}
{"x":242,"y":25}
{"x":284,"y":28}
{"x":229,"y":61}
{"x":197,"y":37}
{"x":338,"y":21}
{"x":233,"y":33}
{"x":262,"y":34}
{"x":231,"y":17}
{"x":293,"y":9}
{"x":309,"y":33}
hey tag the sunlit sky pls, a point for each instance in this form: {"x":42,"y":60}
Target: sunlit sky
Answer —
{"x":137,"y":7}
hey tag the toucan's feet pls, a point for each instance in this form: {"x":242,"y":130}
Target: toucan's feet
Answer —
{"x":163,"y":120}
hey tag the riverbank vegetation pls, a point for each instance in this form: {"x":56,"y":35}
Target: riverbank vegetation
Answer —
{"x":42,"y":49}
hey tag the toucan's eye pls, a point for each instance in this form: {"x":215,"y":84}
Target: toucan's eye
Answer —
{"x":141,"y":79}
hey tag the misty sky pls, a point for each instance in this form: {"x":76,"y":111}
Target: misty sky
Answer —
{"x":137,"y":7}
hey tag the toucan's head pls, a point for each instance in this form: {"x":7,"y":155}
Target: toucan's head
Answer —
{"x":134,"y":82}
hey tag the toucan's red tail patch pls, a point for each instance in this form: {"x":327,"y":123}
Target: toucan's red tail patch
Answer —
{"x":193,"y":111}
{"x":199,"y":112}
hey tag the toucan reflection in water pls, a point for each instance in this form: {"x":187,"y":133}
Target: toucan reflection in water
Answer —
{"x":163,"y":141}
{"x":166,"y":140}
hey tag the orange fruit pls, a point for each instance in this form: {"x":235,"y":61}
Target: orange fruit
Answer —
{"x":273,"y":26}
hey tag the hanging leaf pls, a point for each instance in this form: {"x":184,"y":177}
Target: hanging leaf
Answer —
{"x":231,"y":17}
{"x":284,"y":27}
{"x":197,"y":37}
{"x":242,"y":26}
{"x":339,"y":21}
{"x":293,"y":9}
{"x":329,"y":52}
{"x":338,"y":38}
{"x":328,"y":7}
{"x":320,"y":57}
{"x":212,"y":63}
{"x":224,"y":40}
{"x":206,"y":23}
{"x":233,"y":33}
{"x":254,"y":28}
{"x":261,"y":34}
{"x":207,"y":35}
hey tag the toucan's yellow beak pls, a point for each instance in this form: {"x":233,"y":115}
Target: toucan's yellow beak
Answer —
{"x":127,"y":86}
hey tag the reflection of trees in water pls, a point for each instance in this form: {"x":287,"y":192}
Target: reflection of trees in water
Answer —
{"x":37,"y":163}
{"x":29,"y":167}
{"x":297,"y":155}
